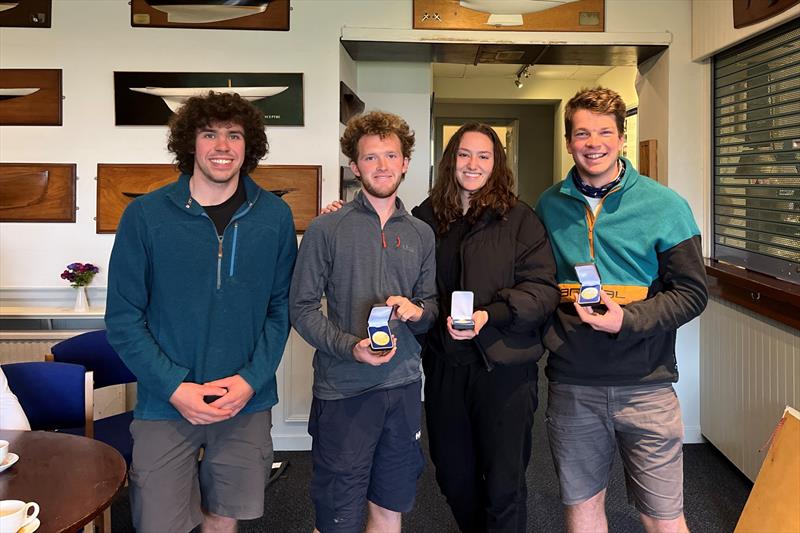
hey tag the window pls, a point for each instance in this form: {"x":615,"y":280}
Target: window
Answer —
{"x":756,"y":144}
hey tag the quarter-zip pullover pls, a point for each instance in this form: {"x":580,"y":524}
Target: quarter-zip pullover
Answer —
{"x":356,"y":263}
{"x":187,"y":305}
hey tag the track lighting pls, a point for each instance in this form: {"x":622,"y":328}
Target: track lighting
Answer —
{"x":522,"y":73}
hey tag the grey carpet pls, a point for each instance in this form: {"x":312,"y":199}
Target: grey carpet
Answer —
{"x":714,"y":495}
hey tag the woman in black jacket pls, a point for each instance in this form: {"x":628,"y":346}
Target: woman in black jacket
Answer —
{"x":480,"y":384}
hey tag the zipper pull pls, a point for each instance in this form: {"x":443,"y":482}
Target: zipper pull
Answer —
{"x":398,"y":242}
{"x":219,"y":253}
{"x":383,"y":239}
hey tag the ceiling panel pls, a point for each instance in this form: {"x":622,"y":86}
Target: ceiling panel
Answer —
{"x":473,"y":54}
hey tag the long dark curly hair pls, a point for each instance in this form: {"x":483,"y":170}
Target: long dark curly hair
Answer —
{"x":497,"y":195}
{"x":200,"y":112}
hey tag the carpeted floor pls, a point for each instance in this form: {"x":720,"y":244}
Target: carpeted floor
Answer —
{"x":714,"y":495}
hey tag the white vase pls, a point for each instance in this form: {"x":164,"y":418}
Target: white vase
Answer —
{"x":81,"y":300}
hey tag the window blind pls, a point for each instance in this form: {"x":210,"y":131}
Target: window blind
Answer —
{"x":756,"y":160}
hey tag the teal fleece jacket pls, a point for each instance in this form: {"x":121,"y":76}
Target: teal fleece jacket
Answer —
{"x":185,"y":305}
{"x":646,"y":246}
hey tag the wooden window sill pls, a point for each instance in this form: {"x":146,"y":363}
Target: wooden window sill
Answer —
{"x":762,"y":294}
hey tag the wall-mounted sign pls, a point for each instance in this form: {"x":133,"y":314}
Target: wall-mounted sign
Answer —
{"x":150,"y":98}
{"x":510,"y":15}
{"x":211,"y":14}
{"x":118,"y":184}
{"x":25,"y":13}
{"x":37,"y":192}
{"x":30,"y":97}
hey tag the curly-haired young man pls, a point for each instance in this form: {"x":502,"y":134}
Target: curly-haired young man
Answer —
{"x":198,"y":309}
{"x":612,"y":363}
{"x":365,"y":415}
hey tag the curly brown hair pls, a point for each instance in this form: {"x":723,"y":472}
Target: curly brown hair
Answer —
{"x":200,"y":112}
{"x":597,"y":100}
{"x":497,"y":194}
{"x":378,"y":123}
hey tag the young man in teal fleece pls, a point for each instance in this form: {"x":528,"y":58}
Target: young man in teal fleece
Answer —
{"x":612,"y":363}
{"x":198,"y":310}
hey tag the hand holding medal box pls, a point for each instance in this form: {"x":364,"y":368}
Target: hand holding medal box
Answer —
{"x":461,"y":310}
{"x":589,"y":278}
{"x":380,"y":336}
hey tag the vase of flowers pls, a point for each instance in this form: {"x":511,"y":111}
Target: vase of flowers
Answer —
{"x":80,"y":275}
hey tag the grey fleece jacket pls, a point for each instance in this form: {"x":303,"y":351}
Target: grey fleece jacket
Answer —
{"x":352,"y":260}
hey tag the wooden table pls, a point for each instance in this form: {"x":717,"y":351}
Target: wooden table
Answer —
{"x":72,"y":478}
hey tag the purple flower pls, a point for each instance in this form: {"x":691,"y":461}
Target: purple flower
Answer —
{"x":79,"y":274}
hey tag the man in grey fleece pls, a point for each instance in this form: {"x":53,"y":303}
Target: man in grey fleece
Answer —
{"x":365,"y":415}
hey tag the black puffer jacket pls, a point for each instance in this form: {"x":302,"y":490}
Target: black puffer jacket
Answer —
{"x":508,"y":264}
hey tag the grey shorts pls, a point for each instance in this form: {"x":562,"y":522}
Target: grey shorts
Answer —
{"x":586,"y":424}
{"x":168,"y":485}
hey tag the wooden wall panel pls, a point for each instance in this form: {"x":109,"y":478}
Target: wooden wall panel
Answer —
{"x":37,"y":192}
{"x":118,"y":184}
{"x":274,"y":17}
{"x":40,"y":108}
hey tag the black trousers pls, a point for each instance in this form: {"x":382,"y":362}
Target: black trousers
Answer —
{"x":480,"y":433}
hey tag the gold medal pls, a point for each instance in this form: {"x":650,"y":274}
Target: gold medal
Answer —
{"x":380,"y":338}
{"x":589,"y":293}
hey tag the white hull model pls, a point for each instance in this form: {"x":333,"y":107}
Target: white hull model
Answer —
{"x":201,"y":14}
{"x":509,"y":12}
{"x":175,"y":97}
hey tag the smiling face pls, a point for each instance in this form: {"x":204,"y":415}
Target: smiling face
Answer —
{"x":219,"y":152}
{"x":595,"y":145}
{"x":380,"y":165}
{"x":474,"y":161}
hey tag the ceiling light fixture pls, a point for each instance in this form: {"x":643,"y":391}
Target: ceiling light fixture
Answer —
{"x":522,"y":73}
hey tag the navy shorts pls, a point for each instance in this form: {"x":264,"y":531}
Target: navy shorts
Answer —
{"x":365,"y":448}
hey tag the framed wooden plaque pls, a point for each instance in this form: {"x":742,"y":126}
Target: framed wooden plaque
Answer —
{"x":211,"y":14}
{"x":25,"y":13}
{"x":37,"y":192}
{"x":570,"y":15}
{"x":118,"y":184}
{"x":30,"y":97}
{"x":748,"y":12}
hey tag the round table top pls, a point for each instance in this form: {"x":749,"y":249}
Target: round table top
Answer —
{"x":72,"y":478}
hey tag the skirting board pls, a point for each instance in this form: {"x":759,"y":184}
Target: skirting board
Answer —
{"x":291,"y":443}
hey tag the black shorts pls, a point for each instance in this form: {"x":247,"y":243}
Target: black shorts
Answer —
{"x":365,"y":448}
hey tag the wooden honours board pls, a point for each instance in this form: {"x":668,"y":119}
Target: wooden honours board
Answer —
{"x":118,"y":184}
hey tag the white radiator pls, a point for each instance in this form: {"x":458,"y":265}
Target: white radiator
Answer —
{"x":749,"y":371}
{"x":18,"y":346}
